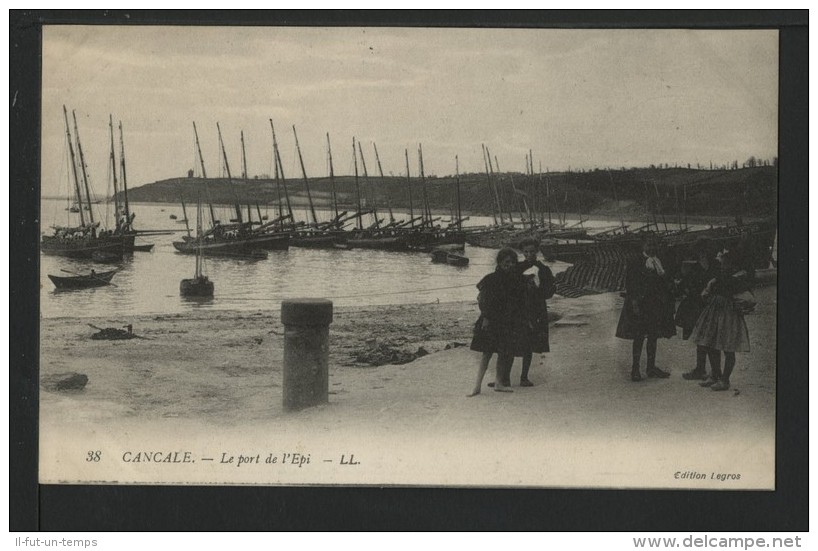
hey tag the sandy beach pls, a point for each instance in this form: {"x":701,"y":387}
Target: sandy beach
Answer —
{"x":209,"y":384}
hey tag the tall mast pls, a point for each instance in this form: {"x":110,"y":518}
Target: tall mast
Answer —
{"x":426,"y":211}
{"x":579,"y":207}
{"x":496,"y":207}
{"x":304,"y":173}
{"x":199,"y":150}
{"x":204,"y":172}
{"x":409,"y":186}
{"x":380,"y":171}
{"x":658,"y":203}
{"x":243,"y":159}
{"x":244,"y":177}
{"x":357,"y":185}
{"x":229,"y":177}
{"x":84,"y":173}
{"x":529,"y":170}
{"x":368,"y":188}
{"x":113,"y":172}
{"x":74,"y":166}
{"x":547,"y":198}
{"x":278,"y":193}
{"x":124,"y":175}
{"x":510,"y":201}
{"x":332,"y":179}
{"x":457,"y":193}
{"x":184,"y":213}
{"x":280,"y":169}
{"x":198,"y":238}
{"x":616,"y":198}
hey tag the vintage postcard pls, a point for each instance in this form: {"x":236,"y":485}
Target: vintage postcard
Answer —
{"x":545,"y":257}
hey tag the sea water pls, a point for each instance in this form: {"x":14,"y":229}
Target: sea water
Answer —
{"x":148,"y":283}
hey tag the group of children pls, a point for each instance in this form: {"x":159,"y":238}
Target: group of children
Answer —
{"x":514,"y":316}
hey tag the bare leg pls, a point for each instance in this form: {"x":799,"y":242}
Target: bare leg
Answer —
{"x":481,"y":372}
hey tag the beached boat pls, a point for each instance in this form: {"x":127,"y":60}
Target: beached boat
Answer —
{"x":79,"y":281}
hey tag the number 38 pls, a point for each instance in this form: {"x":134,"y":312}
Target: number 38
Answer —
{"x":93,"y":456}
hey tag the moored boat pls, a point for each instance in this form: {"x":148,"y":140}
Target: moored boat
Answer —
{"x":454,"y":259}
{"x":85,"y":239}
{"x":80,"y":281}
{"x":200,"y":285}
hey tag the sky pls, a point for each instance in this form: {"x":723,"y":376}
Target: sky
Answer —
{"x":575,"y":98}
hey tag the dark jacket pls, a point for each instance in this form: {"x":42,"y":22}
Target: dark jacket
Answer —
{"x":537,"y":307}
{"x":692,"y":285}
{"x":502,"y":301}
{"x":648,"y":308}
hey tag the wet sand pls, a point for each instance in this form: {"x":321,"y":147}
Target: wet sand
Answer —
{"x":210,"y":383}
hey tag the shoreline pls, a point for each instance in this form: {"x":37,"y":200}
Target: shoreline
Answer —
{"x":211,"y":381}
{"x":600,"y":215}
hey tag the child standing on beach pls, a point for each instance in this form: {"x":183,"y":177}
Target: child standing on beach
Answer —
{"x":501,"y":328}
{"x":695,"y":277}
{"x":648,"y":310}
{"x":540,"y":288}
{"x":721,"y":326}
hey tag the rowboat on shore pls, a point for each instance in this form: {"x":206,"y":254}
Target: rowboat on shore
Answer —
{"x":80,"y":281}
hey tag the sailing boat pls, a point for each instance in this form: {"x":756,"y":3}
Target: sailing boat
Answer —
{"x":122,"y":211}
{"x":85,"y":240}
{"x":200,"y":285}
{"x":238,"y":239}
{"x":318,"y":235}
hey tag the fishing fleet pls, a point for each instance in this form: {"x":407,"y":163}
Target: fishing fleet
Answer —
{"x":520,"y":210}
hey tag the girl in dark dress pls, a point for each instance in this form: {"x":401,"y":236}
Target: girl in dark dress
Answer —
{"x":721,"y":325}
{"x":695,"y":277}
{"x":539,"y":289}
{"x":648,"y":310}
{"x":500,"y":328}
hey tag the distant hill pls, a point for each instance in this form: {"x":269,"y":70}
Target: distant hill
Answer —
{"x":743,"y":191}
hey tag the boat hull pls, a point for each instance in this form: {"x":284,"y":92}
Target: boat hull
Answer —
{"x":456,"y":260}
{"x":320,"y":241}
{"x":63,"y":283}
{"x":390,"y":243}
{"x":82,"y":248}
{"x":238,"y":248}
{"x":196,"y":287}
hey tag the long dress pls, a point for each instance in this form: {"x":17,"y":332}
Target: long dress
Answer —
{"x":721,"y":325}
{"x":648,"y":308}
{"x":692,"y":285}
{"x":537,"y":307}
{"x":502,"y":301}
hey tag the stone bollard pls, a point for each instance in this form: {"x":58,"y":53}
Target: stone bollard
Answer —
{"x":306,"y":351}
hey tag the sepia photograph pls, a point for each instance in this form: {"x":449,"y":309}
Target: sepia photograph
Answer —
{"x":409,"y":256}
